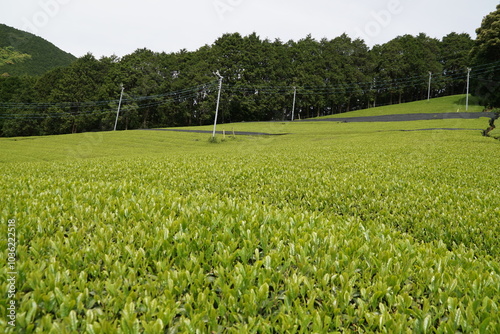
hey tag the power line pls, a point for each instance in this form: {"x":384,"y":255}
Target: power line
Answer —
{"x":202,"y":91}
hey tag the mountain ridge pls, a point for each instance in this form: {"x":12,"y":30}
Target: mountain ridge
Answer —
{"x":45,"y":56}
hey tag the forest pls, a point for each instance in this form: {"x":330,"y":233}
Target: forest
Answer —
{"x":37,"y":54}
{"x":260,"y":80}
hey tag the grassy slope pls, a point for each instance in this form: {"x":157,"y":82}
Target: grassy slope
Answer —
{"x":455,"y":103}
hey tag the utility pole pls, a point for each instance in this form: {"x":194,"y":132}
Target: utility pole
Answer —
{"x":119,"y":106}
{"x":468,"y":86}
{"x":430,"y":81}
{"x":294,"y":97}
{"x":218,"y":102}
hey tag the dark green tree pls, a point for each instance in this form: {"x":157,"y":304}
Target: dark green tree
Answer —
{"x":454,"y":56}
{"x":18,"y":120}
{"x":77,"y":94}
{"x":486,"y":83}
{"x":10,"y":56}
{"x":403,"y":66}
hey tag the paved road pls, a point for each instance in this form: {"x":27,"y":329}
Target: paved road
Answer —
{"x":446,"y":129}
{"x":405,"y":117}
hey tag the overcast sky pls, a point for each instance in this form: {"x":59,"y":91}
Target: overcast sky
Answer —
{"x":107,"y":27}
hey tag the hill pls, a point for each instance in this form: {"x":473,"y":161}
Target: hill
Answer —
{"x":44,"y":55}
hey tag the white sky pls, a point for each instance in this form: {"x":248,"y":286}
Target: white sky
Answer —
{"x":107,"y":27}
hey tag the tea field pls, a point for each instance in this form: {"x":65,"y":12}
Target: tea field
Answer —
{"x":333,"y":227}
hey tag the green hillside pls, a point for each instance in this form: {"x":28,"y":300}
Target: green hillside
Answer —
{"x":44,"y":55}
{"x":446,"y":104}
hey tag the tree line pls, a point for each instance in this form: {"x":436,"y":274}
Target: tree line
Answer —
{"x":260,"y":78}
